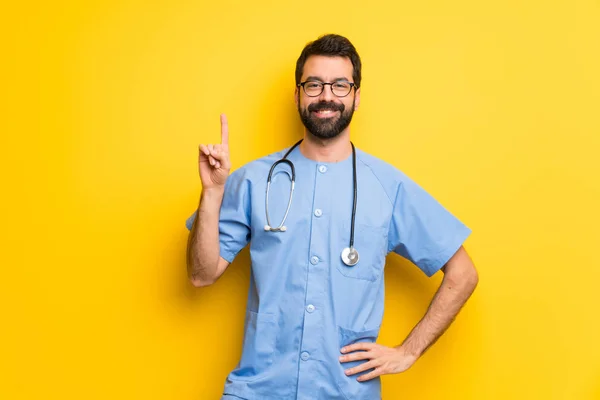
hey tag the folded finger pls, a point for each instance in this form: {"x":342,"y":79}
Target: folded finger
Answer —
{"x":216,"y":151}
{"x":219,"y":155}
{"x":204,"y":150}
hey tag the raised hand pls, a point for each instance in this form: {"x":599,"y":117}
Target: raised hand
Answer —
{"x":213,"y":160}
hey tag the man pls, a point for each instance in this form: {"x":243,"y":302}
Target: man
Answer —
{"x":315,"y":305}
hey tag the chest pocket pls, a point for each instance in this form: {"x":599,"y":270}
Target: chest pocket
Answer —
{"x":371,"y":243}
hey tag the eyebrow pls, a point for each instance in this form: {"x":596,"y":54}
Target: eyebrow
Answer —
{"x":316,"y":78}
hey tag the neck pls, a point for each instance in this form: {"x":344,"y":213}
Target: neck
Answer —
{"x":326,"y":150}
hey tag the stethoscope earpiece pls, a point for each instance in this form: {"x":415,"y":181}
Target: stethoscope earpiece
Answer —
{"x":278,"y":229}
{"x":350,"y":255}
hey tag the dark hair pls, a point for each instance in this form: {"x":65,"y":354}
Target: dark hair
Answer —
{"x":332,"y":46}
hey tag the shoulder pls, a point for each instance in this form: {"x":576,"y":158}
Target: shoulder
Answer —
{"x":388,"y":175}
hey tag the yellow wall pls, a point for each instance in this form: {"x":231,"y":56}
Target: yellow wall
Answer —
{"x":493,"y":107}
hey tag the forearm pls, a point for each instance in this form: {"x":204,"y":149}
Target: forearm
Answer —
{"x":203,"y":250}
{"x":445,"y":306}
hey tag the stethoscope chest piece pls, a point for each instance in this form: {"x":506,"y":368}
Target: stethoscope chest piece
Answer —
{"x":350,"y":256}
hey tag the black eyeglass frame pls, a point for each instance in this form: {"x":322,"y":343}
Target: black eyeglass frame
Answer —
{"x":352,"y":85}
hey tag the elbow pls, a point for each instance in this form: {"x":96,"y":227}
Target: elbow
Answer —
{"x":471,"y":279}
{"x":197,"y":278}
{"x":460,"y":271}
{"x":467,"y":278}
{"x":198,"y":283}
{"x":196,"y":273}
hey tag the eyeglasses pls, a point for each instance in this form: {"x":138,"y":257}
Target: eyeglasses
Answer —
{"x":315,"y":88}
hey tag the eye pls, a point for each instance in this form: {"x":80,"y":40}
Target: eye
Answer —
{"x":313,"y":85}
{"x":341,"y":85}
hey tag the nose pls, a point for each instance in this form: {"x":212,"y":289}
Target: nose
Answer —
{"x":327,"y":94}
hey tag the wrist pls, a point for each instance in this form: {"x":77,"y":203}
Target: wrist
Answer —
{"x":212,"y":195}
{"x":408,"y":351}
{"x":217,"y":190}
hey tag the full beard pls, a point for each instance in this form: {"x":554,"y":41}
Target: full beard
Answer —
{"x":326,"y":128}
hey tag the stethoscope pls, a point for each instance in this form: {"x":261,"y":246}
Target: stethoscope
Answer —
{"x":349,"y":254}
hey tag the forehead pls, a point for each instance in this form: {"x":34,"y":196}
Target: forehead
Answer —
{"x":328,"y":68}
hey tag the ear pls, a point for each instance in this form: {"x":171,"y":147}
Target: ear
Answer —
{"x":356,"y":99}
{"x":296,"y":96}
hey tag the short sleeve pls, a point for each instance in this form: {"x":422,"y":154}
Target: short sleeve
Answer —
{"x":422,"y":230}
{"x":234,"y":217}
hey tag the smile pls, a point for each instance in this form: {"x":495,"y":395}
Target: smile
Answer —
{"x":325,"y":113}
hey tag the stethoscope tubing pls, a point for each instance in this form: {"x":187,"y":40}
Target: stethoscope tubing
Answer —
{"x":350,"y":254}
{"x":281,"y":227}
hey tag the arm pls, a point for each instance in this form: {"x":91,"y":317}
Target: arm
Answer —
{"x":204,"y":263}
{"x":460,"y":280}
{"x":425,"y":233}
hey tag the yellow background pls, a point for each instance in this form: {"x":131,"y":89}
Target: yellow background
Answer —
{"x":493,"y":107}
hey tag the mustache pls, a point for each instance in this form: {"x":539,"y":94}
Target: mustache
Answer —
{"x":326,"y":105}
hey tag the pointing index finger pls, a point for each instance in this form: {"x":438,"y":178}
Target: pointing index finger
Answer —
{"x":224,"y":130}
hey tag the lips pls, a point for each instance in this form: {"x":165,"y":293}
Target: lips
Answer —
{"x":325,"y":109}
{"x":325,"y":113}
